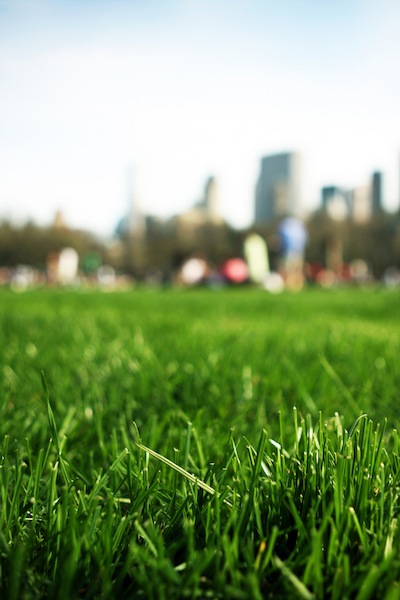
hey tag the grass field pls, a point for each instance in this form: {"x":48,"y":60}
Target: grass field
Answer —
{"x":197,"y":443}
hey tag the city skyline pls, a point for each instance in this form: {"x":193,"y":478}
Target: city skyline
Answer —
{"x":185,"y":89}
{"x":278,"y":189}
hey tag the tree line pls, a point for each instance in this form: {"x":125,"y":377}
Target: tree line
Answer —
{"x":164,"y":247}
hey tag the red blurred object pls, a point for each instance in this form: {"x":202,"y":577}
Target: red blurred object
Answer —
{"x":235,"y":270}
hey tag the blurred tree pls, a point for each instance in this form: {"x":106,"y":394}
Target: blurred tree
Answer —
{"x":31,"y":244}
{"x":376,"y":241}
{"x":164,"y":245}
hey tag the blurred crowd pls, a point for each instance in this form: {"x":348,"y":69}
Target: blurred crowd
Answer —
{"x":276,"y":268}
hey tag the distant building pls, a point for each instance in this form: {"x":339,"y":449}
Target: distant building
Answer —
{"x":336,"y":202}
{"x":135,"y":220}
{"x":278,"y":188}
{"x":132,"y":227}
{"x":376,"y":193}
{"x":186,"y":227}
{"x":211,"y":200}
{"x":360,"y":203}
{"x":367,"y":200}
{"x":361,"y":210}
{"x":198,"y":227}
{"x":208,"y":205}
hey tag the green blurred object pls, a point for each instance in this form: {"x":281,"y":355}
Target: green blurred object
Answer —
{"x":91,"y":263}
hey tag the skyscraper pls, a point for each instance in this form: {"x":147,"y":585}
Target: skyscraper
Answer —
{"x":376,"y":193}
{"x":361,"y":200}
{"x":278,"y":187}
{"x":367,"y":199}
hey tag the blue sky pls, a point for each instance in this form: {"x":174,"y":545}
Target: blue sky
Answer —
{"x":182,"y":89}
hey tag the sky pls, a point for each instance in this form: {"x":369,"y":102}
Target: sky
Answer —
{"x":174,"y":91}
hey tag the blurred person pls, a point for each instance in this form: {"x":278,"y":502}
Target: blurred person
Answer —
{"x":293,"y":237}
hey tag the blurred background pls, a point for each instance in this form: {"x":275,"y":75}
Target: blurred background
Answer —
{"x":143,"y":135}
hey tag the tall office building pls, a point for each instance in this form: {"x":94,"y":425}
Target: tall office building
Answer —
{"x":367,"y":199}
{"x":376,"y":193}
{"x":278,"y":187}
{"x":361,"y":210}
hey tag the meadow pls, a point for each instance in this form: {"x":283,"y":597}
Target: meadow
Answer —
{"x":199,"y":444}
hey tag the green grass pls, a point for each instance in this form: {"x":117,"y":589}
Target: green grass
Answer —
{"x":150,"y":448}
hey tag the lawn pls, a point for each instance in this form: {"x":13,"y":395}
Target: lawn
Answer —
{"x":199,"y":443}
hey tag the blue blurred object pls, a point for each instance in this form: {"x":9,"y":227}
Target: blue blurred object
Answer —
{"x":293,"y":235}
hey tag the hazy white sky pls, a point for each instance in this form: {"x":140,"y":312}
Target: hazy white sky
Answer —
{"x":182,"y":89}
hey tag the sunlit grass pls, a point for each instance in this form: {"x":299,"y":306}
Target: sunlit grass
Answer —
{"x":149,"y":445}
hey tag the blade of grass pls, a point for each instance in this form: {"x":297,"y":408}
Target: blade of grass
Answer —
{"x":192,"y":478}
{"x":335,"y":377}
{"x":300,"y":588}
